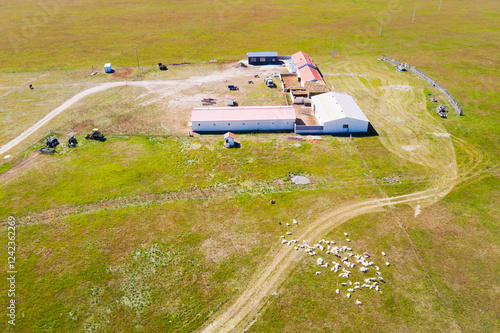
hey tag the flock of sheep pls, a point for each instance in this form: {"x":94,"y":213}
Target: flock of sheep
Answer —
{"x":346,"y":257}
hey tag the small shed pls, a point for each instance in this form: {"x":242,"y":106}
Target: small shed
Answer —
{"x":229,"y":100}
{"x":262,"y":58}
{"x":229,"y":140}
{"x":108,"y":68}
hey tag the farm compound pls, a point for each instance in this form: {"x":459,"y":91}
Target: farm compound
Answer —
{"x":254,"y":118}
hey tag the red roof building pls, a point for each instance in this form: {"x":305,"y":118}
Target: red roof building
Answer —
{"x":302,"y":59}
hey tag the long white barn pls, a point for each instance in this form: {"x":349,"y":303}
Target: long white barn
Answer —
{"x":255,"y":118}
{"x":339,"y":113}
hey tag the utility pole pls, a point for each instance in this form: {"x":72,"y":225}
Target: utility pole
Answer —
{"x":137,"y":55}
{"x":380,"y":33}
{"x":414,"y":15}
{"x":333,"y":45}
{"x":440,"y":2}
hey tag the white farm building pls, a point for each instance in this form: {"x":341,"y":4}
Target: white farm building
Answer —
{"x":339,"y":113}
{"x":254,"y":118}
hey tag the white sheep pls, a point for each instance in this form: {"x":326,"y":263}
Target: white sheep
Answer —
{"x":319,"y":261}
{"x":387,"y":263}
{"x":295,"y":221}
{"x":366,"y":255}
{"x":383,"y":253}
{"x":377,"y":268}
{"x":318,"y":273}
{"x":289,"y":233}
{"x":381,"y":279}
{"x":288,"y":224}
{"x":344,"y":284}
{"x":282,"y":236}
{"x":284,"y":241}
{"x":378,"y":273}
{"x":373,"y":279}
{"x":357,"y":283}
{"x":350,"y":290}
{"x":347,"y":239}
{"x":358,"y":302}
{"x":377,"y":288}
{"x":364,"y":269}
{"x":350,"y":283}
{"x":337,"y":291}
{"x":348,"y":295}
{"x":357,"y":287}
{"x":346,"y":234}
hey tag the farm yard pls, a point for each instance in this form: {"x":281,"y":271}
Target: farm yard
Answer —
{"x":159,"y":228}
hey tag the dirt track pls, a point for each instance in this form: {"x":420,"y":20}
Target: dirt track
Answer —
{"x":240,"y":314}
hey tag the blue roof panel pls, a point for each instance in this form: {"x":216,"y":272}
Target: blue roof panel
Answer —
{"x":262,"y":54}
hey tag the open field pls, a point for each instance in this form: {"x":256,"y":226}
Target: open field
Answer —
{"x":154,"y":230}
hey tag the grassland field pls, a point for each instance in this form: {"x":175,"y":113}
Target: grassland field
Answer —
{"x":157,"y":231}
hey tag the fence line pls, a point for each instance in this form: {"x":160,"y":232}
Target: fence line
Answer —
{"x":452,"y":100}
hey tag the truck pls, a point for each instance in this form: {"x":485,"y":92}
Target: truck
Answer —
{"x":269,"y":82}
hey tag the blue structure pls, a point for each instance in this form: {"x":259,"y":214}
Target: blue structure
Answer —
{"x":107,"y":68}
{"x":262,"y":58}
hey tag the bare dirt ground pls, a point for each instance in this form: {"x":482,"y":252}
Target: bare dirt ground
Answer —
{"x":178,"y":94}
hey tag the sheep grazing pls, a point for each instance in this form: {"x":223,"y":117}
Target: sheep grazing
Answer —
{"x":348,"y":295}
{"x":318,"y":273}
{"x":350,"y":290}
{"x":367,"y":280}
{"x":346,"y":234}
{"x":383,"y":253}
{"x":296,"y":248}
{"x":347,"y":239}
{"x":364,"y":269}
{"x":344,"y":284}
{"x":289,"y":243}
{"x":357,"y":287}
{"x":289,"y":233}
{"x":378,"y":273}
{"x":322,"y":248}
{"x":350,"y":283}
{"x":288,"y":224}
{"x":358,"y":302}
{"x":381,"y":279}
{"x":284,"y":241}
{"x":282,"y":236}
{"x":307,"y":250}
{"x":328,"y":252}
{"x":373,"y":279}
{"x":377,"y":288}
{"x":332,"y":242}
{"x":365,"y":285}
{"x":357,"y":283}
{"x":295,"y":221}
{"x":337,"y":291}
{"x":328,"y":242}
{"x":366,"y":255}
{"x":349,"y":249}
{"x":387,"y":263}
{"x":377,"y":268}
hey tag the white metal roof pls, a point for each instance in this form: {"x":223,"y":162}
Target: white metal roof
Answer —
{"x":334,"y":105}
{"x":107,"y":65}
